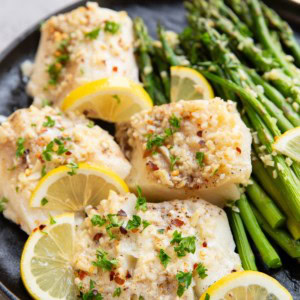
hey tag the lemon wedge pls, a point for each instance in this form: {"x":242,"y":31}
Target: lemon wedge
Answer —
{"x":113,"y":99}
{"x":68,"y":189}
{"x":46,"y":262}
{"x":289,"y":143}
{"x":247,"y":285}
{"x":188,"y":84}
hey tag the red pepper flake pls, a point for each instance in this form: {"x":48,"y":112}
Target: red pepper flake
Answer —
{"x":147,"y":153}
{"x":115,"y":69}
{"x":98,"y":236}
{"x":82,"y":274}
{"x":41,"y":227}
{"x":68,"y":153}
{"x":177,"y":222}
{"x":152,"y":165}
{"x":204,"y":244}
{"x":128,"y":275}
{"x":111,"y":275}
{"x":119,"y":280}
{"x":121,"y":213}
{"x":238,"y":150}
{"x":123,"y":230}
{"x":195,"y":266}
{"x":35,"y":229}
{"x":199,"y":133}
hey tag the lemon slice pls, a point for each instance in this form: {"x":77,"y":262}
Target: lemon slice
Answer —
{"x":289,"y":144}
{"x":188,"y":84}
{"x":113,"y":99}
{"x":247,"y":285}
{"x":46,"y":262}
{"x":59,"y":190}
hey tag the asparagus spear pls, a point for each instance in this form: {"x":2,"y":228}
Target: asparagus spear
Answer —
{"x":241,"y":240}
{"x":280,"y":236}
{"x":285,"y":31}
{"x":267,"y":252}
{"x":265,"y":205}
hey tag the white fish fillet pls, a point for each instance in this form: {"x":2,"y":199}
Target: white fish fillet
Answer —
{"x":89,"y":58}
{"x":139,"y":271}
{"x":170,"y":169}
{"x":19,"y":176}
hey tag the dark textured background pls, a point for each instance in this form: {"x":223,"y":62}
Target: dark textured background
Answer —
{"x":12,"y":96}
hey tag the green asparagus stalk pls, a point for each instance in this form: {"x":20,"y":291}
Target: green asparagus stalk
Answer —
{"x":265,"y":38}
{"x":267,"y":252}
{"x":280,"y":236}
{"x":241,"y":240}
{"x":285,"y":31}
{"x":265,"y":205}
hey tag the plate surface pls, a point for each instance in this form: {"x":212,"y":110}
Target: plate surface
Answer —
{"x":12,"y":96}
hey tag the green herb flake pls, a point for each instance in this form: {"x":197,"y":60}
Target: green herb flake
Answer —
{"x":97,"y":220}
{"x":92,"y":294}
{"x":103,"y":261}
{"x":17,"y":189}
{"x":117,"y":98}
{"x":134,"y":223}
{"x":161,"y":231}
{"x":201,"y":270}
{"x":174,"y":121}
{"x":164,"y":257}
{"x":33,"y":125}
{"x":46,"y":102}
{"x":145,"y":224}
{"x":20,"y":147}
{"x":49,"y":123}
{"x":154,"y":141}
{"x":3,"y":202}
{"x":113,"y":223}
{"x":43,"y":171}
{"x":91,"y":124}
{"x":141,"y":298}
{"x":73,"y":166}
{"x":168,"y":132}
{"x":185,"y":244}
{"x":173,"y":161}
{"x":111,"y":27}
{"x":92,"y":35}
{"x":117,"y":292}
{"x":141,"y":202}
{"x":46,"y":154}
{"x":184,"y":281}
{"x":44,"y":201}
{"x":200,"y":158}
{"x":52,"y":221}
{"x":207,"y":297}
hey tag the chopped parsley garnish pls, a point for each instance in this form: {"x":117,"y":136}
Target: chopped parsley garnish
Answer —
{"x":20,"y":147}
{"x":184,"y":281}
{"x":113,"y":223}
{"x":185,"y":244}
{"x":46,"y":102}
{"x":103,"y":262}
{"x":17,"y":189}
{"x":97,"y":220}
{"x":92,"y":35}
{"x":61,"y":147}
{"x":174,"y":121}
{"x":168,"y":132}
{"x":49,"y":123}
{"x":161,"y":231}
{"x":111,"y":27}
{"x":44,"y":201}
{"x":33,"y":125}
{"x":207,"y":297}
{"x":145,"y":224}
{"x":91,"y":124}
{"x":52,"y":221}
{"x":200,"y":157}
{"x":117,"y":292}
{"x":201,"y":271}
{"x":134,"y":223}
{"x":47,"y":152}
{"x":3,"y":201}
{"x":154,"y":141}
{"x":117,"y":98}
{"x":92,"y":294}
{"x":43,"y":172}
{"x":173,"y":161}
{"x":73,"y":166}
{"x":54,"y":69}
{"x":141,"y":298}
{"x":164,"y":257}
{"x":141,"y":202}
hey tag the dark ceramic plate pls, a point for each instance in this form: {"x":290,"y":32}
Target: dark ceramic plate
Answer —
{"x":13,"y":96}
